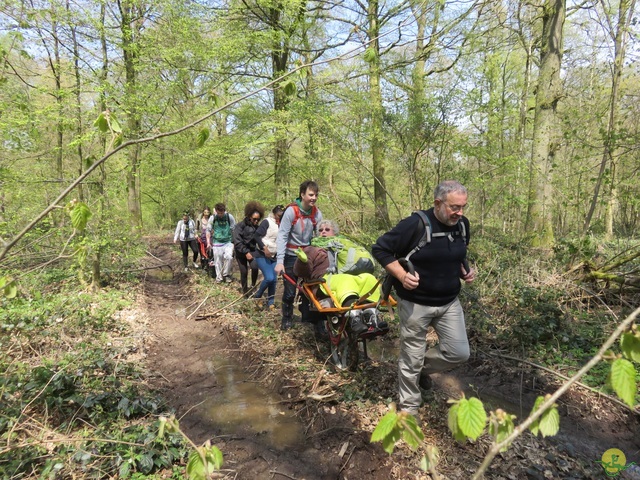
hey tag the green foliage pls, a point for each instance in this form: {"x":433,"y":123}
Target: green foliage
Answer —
{"x":630,"y":344}
{"x":84,"y":392}
{"x":80,"y":215}
{"x":369,"y":55}
{"x":548,"y":423}
{"x":395,"y":426}
{"x":8,"y":287}
{"x":203,"y":136}
{"x":204,"y":461}
{"x":501,"y":426}
{"x":623,"y":380}
{"x":467,"y":419}
{"x":572,"y":249}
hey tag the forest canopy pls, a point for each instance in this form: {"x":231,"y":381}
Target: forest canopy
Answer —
{"x":376,"y":101}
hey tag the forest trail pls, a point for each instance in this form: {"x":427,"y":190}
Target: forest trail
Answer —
{"x":332,"y":439}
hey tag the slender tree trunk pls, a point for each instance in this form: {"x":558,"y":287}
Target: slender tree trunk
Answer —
{"x":625,"y":15}
{"x":279,"y":63}
{"x":377,"y":111}
{"x":545,"y":141}
{"x":79,"y":129}
{"x":130,"y":30}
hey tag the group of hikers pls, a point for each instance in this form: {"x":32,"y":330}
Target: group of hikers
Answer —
{"x":424,"y":256}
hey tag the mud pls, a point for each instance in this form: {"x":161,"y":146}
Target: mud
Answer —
{"x":293,"y":377}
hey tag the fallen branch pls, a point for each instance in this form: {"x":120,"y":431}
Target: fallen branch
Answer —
{"x":564,"y":377}
{"x":215,"y":314}
{"x":497,"y":447}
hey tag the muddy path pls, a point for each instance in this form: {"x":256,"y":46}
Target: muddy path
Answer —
{"x":276,"y":409}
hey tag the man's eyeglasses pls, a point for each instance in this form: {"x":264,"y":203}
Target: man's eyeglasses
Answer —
{"x":325,"y":229}
{"x":456,"y":208}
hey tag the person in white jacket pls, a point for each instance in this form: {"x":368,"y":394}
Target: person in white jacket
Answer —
{"x":186,"y":233}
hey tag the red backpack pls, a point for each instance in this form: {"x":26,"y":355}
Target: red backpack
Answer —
{"x":298,"y":214}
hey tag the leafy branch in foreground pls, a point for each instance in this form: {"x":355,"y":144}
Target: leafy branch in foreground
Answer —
{"x":203,"y":461}
{"x":467,"y":418}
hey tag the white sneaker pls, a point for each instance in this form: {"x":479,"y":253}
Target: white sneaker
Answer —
{"x":195,"y":265}
{"x":186,"y":269}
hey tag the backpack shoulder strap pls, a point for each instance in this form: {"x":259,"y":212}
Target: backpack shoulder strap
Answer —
{"x":426,"y":236}
{"x":296,"y":213}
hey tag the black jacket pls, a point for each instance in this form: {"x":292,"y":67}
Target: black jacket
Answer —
{"x":437,"y":263}
{"x":244,"y":237}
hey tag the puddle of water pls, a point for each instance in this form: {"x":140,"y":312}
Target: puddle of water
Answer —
{"x":242,"y":404}
{"x":161,"y":274}
{"x":383,"y":351}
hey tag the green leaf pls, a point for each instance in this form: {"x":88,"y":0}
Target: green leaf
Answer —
{"x":369,"y":55}
{"x":125,"y":469}
{"x":471,"y":417}
{"x":389,"y":442}
{"x":115,"y":126}
{"x":101,"y":123}
{"x":9,"y":287}
{"x":425,"y":464}
{"x":501,"y":426}
{"x":411,"y":433}
{"x":290,"y":88}
{"x":214,"y":458}
{"x":202,"y":137}
{"x":535,"y":426}
{"x":117,"y":141}
{"x":549,"y":422}
{"x":623,"y":380}
{"x":384,"y":427}
{"x":145,"y":463}
{"x":630,"y":344}
{"x":452,"y":421}
{"x":195,"y":467}
{"x":80,"y":215}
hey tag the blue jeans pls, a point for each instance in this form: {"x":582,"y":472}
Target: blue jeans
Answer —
{"x":267,"y":266}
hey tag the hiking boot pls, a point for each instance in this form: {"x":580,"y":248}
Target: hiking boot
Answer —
{"x":357,"y":325}
{"x":286,"y":324}
{"x":260,"y":303}
{"x":320,"y":331}
{"x":272,"y":308}
{"x":424,"y":381}
{"x":228,"y":279}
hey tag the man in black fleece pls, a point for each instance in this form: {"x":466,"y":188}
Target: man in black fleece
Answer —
{"x":430,"y":295}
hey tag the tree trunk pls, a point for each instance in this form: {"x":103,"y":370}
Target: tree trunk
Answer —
{"x":130,"y":29}
{"x":625,"y":15}
{"x":545,"y":141}
{"x":377,"y":111}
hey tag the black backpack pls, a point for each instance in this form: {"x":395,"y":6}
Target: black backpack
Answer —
{"x":425,"y":239}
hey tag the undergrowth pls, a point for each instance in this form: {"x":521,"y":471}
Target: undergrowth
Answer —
{"x":534,"y":302}
{"x":71,"y":403}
